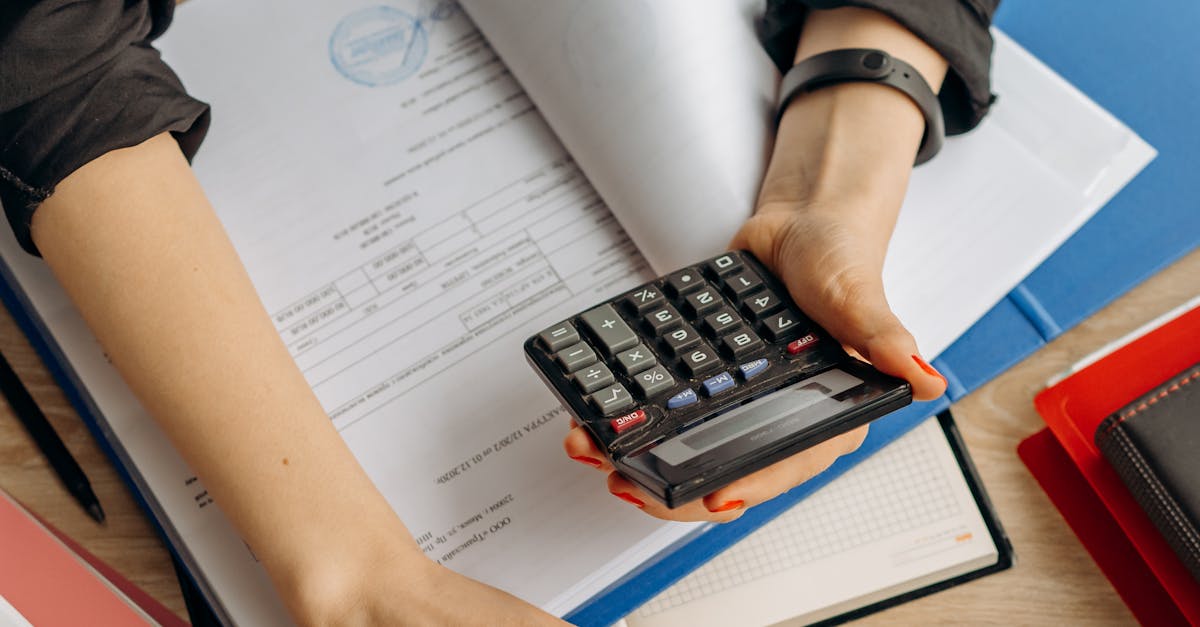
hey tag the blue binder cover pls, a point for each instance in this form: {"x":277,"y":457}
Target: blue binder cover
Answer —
{"x":1148,"y":225}
{"x":1134,"y":59}
{"x":1104,"y":50}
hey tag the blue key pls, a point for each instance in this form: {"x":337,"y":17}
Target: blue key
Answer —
{"x":719,"y":383}
{"x":686,"y":397}
{"x":751,"y":368}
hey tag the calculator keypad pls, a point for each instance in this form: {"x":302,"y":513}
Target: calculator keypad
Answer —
{"x":674,"y":351}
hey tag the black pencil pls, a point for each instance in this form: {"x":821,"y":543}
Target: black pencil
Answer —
{"x":47,"y":440}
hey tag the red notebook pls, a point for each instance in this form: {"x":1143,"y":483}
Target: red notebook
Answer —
{"x":49,"y":580}
{"x":1072,"y":408}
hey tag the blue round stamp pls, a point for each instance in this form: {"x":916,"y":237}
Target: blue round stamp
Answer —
{"x":379,"y":45}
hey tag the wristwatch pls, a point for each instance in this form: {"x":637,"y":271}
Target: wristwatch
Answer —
{"x":870,"y":66}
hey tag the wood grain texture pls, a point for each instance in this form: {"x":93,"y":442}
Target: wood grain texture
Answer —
{"x":1053,"y":582}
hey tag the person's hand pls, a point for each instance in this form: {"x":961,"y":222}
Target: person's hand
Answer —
{"x":831,"y":260}
{"x":826,"y":211}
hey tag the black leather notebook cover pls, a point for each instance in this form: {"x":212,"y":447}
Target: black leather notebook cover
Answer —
{"x":1154,"y":445}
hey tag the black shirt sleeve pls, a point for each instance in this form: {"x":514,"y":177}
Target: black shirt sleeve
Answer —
{"x":957,"y":29}
{"x":77,"y":80}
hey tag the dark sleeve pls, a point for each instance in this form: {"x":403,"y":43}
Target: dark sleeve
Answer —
{"x":77,"y":80}
{"x":957,"y":29}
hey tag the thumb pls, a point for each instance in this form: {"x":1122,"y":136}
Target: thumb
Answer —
{"x":851,"y":305}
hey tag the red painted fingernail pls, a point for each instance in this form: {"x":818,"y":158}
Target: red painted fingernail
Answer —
{"x":629,"y":498}
{"x":728,"y":505}
{"x":927,"y":368}
{"x":583,"y":459}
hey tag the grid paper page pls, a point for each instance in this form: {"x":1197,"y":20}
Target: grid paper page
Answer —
{"x":901,"y":488}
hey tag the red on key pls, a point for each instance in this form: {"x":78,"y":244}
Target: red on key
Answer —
{"x":628,"y":421}
{"x":795,"y":346}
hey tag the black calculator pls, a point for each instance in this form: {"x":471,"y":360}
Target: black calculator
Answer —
{"x":707,"y":375}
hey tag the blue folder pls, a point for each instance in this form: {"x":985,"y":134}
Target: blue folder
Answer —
{"x":1136,"y":61}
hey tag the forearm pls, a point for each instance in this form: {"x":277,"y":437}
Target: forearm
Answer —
{"x":139,"y":250}
{"x":852,"y":141}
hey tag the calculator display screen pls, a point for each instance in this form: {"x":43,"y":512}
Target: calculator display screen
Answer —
{"x":761,"y":422}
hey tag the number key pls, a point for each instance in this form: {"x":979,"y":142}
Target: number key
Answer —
{"x":740,"y":344}
{"x":759,"y":306}
{"x":702,"y":302}
{"x":742,"y":284}
{"x":681,"y":339}
{"x":662,"y":319}
{"x":699,"y":360}
{"x":781,"y":325}
{"x":725,"y":264}
{"x":721,"y":321}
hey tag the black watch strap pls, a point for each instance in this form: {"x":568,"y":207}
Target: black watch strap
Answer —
{"x":871,"y":66}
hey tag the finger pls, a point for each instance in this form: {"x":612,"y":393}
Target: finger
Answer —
{"x":878,"y":336}
{"x":850,"y":303}
{"x":580,"y":447}
{"x":695,"y":511}
{"x":784,"y":475}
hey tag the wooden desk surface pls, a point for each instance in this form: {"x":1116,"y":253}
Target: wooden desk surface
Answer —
{"x":1054,"y":580}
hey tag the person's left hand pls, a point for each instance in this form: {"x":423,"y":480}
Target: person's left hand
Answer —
{"x":831,"y":260}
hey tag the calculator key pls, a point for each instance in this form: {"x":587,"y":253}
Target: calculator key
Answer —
{"x":683,"y":282}
{"x":751,"y":369}
{"x":682,"y":399}
{"x":629,"y":421}
{"x":740,"y":344}
{"x":635,"y":360}
{"x":718,"y":384}
{"x":609,"y":328}
{"x":742,"y":284}
{"x":780,"y":325}
{"x":723,"y":320}
{"x":663,"y":318}
{"x":559,"y":337}
{"x":699,"y":360}
{"x":725,"y":264}
{"x":702,"y":302}
{"x":760,"y":305}
{"x":795,"y":347}
{"x":644,"y":298}
{"x":611,"y":399}
{"x":577,"y":356}
{"x":654,"y":381}
{"x":593,"y":378}
{"x":680,"y":339}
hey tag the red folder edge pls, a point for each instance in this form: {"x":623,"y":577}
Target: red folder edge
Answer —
{"x":1098,"y":531}
{"x":157,"y":611}
{"x":1075,"y":406}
